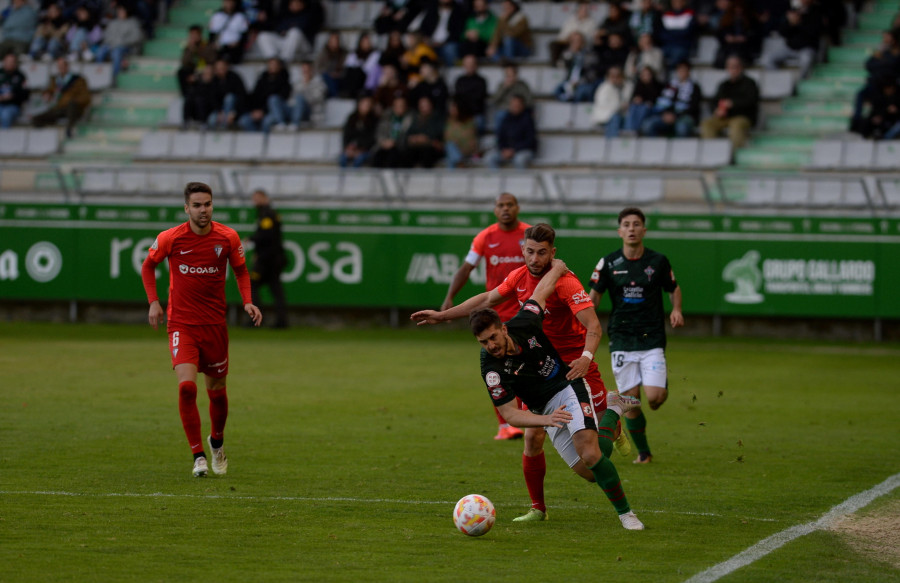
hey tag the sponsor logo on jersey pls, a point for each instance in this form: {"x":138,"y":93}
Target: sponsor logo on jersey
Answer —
{"x":533,"y":343}
{"x":155,"y":244}
{"x":492,"y":379}
{"x":497,"y":259}
{"x":649,"y":271}
{"x":498,"y":393}
{"x":633,"y":294}
{"x":580,"y":297}
{"x":185,"y":269}
{"x":619,"y":272}
{"x":532,"y":308}
{"x":548,"y":368}
{"x":218,"y":250}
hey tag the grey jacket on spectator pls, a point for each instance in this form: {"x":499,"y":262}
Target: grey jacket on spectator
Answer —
{"x":123,"y":33}
{"x":500,"y":98}
{"x":20,"y":24}
{"x":314,"y":92}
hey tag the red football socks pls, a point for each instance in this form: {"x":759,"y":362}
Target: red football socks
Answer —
{"x":218,"y":413}
{"x":534,"y":469}
{"x":190,"y":416}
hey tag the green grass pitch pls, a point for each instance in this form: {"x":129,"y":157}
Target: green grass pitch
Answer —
{"x":347,"y":450}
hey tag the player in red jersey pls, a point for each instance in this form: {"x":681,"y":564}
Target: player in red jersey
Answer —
{"x":199,"y":252}
{"x":573,"y":329}
{"x":501,"y":246}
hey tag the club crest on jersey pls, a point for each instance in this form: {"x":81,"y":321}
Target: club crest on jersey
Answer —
{"x":586,"y":409}
{"x":218,"y":250}
{"x":533,"y":343}
{"x":649,"y":271}
{"x":492,"y":379}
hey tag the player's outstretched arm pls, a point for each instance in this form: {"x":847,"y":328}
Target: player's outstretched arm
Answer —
{"x":254,"y":314}
{"x":548,"y":283}
{"x":518,"y":418}
{"x":676,"y":317}
{"x":482,"y":300}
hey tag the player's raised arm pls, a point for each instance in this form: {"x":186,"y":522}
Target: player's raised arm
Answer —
{"x":482,"y":300}
{"x":548,"y":283}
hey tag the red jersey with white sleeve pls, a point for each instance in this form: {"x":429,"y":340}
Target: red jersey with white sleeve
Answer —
{"x":197,"y":267}
{"x":560,"y":324}
{"x":502,"y":252}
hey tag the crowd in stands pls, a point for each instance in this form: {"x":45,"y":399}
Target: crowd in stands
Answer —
{"x":633,"y":66}
{"x":876,"y":108}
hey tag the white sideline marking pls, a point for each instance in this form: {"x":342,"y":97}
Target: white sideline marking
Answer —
{"x":306,"y":499}
{"x":779,"y":539}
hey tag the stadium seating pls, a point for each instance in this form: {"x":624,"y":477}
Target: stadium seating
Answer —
{"x":22,"y":142}
{"x":847,"y":155}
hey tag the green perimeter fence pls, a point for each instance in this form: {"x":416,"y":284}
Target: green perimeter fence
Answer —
{"x":726,"y":265}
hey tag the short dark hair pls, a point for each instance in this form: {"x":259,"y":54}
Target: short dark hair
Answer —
{"x":195,"y":28}
{"x":192,"y":187}
{"x":481,"y":320}
{"x":632,"y":210}
{"x":541,"y":232}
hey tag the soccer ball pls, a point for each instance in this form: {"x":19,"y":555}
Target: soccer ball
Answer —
{"x":474,"y":515}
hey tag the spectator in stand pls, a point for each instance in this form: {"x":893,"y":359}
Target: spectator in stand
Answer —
{"x":708,"y":14}
{"x":677,"y":109}
{"x":396,"y":15}
{"x":68,"y":96}
{"x":197,"y":54}
{"x":678,"y":32}
{"x":581,"y":21}
{"x":884,"y":120}
{"x":883,"y":64}
{"x":460,"y":136}
{"x":310,"y":94}
{"x":199,"y":101}
{"x":389,"y":88}
{"x":268,"y":103}
{"x":471,"y":93}
{"x":432,"y":86}
{"x":736,"y":104}
{"x":358,"y":136}
{"x":393,"y":53}
{"x":516,"y":137}
{"x":646,"y":54}
{"x":122,"y":38}
{"x":425,"y":139}
{"x":229,"y":96}
{"x":834,"y":19}
{"x":646,"y":91}
{"x":361,"y":68}
{"x":19,"y":23}
{"x":611,"y":102}
{"x":49,"y":40}
{"x":581,"y":63}
{"x":393,"y":128}
{"x":330,"y":63}
{"x":443,"y":25}
{"x":293,"y":31}
{"x":612,"y":51}
{"x":13,"y":90}
{"x":479,"y":30}
{"x":510,"y":87}
{"x":802,"y":32}
{"x":84,"y":36}
{"x":417,"y":52}
{"x":738,"y":33}
{"x":770,"y":14}
{"x":644,"y":20}
{"x":617,"y":21}
{"x":512,"y":36}
{"x":227,"y":30}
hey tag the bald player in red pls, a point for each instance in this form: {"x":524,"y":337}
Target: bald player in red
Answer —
{"x":199,"y":252}
{"x":501,"y":247}
{"x":571,"y":326}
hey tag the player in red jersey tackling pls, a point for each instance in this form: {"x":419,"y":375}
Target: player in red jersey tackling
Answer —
{"x":501,"y":247}
{"x":199,"y":252}
{"x":573,"y":329}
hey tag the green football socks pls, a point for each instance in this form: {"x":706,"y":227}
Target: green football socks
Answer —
{"x":606,"y":431}
{"x":608,"y":479}
{"x":637,"y":427}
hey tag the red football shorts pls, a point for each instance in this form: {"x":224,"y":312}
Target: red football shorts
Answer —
{"x":206,"y":347}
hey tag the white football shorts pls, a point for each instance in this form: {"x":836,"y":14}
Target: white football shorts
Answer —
{"x":562,"y":436}
{"x":641,"y":367}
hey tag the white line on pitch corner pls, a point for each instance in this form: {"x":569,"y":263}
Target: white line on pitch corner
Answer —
{"x":310,"y":499}
{"x":779,"y":539}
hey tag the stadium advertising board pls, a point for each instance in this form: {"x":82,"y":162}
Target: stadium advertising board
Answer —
{"x":826,"y":267}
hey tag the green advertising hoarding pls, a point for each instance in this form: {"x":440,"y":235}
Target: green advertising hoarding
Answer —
{"x":754,"y":266}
